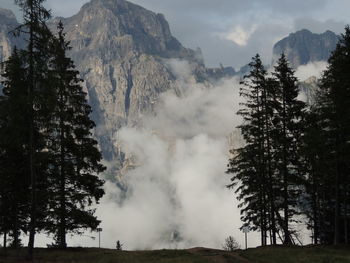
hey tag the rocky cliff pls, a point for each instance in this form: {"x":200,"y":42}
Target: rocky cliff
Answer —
{"x":123,"y":53}
{"x":304,"y":46}
{"x":8,"y":23}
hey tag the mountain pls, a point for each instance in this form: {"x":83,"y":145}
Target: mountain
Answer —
{"x":121,"y":51}
{"x":304,"y":46}
{"x":8,"y":23}
{"x":125,"y":55}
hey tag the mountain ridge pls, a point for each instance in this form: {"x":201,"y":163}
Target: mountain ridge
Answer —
{"x":303,"y":47}
{"x":8,"y":23}
{"x":124,"y":53}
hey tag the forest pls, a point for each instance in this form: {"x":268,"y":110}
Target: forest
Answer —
{"x":49,"y":158}
{"x":293,"y":168}
{"x":295,"y":163}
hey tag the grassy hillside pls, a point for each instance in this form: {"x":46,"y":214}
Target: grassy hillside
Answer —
{"x":312,"y":254}
{"x":196,"y":255}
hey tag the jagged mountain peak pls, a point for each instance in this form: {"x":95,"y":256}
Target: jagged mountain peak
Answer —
{"x":306,"y":33}
{"x":122,"y":23}
{"x":304,"y":46}
{"x":121,"y":51}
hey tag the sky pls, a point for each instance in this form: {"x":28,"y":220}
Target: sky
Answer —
{"x":232,"y":31}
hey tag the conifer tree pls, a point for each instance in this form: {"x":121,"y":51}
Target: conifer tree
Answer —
{"x":75,"y":158}
{"x":248,"y":165}
{"x":334,"y":111}
{"x":53,"y":146}
{"x":14,"y":198}
{"x":39,"y":101}
{"x":316,"y":168}
{"x":267,"y":169}
{"x":287,"y":141}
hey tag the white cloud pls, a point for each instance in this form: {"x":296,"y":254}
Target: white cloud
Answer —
{"x":317,"y":26}
{"x":176,"y":193}
{"x":241,"y":36}
{"x":312,"y":69}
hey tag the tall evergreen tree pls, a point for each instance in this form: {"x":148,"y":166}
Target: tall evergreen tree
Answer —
{"x":316,"y":168}
{"x":75,"y":158}
{"x":267,"y":169}
{"x":249,"y":164}
{"x":287,"y":141}
{"x":269,"y":104}
{"x":333,"y":109}
{"x":14,"y":199}
{"x":39,"y":104}
{"x":13,"y":153}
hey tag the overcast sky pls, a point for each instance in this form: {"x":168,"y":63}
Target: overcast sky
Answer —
{"x":232,"y":31}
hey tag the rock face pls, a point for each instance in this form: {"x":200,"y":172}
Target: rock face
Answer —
{"x":8,"y":23}
{"x":221,"y":72}
{"x":122,"y":52}
{"x":120,"y":49}
{"x":303,"y":47}
{"x":309,"y":89}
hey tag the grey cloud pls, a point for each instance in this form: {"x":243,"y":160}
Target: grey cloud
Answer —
{"x":198,"y":23}
{"x":317,"y":26}
{"x":229,"y":7}
{"x":65,"y":8}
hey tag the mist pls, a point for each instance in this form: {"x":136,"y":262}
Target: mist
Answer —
{"x":177,"y":195}
{"x":315,"y":69}
{"x":176,"y":191}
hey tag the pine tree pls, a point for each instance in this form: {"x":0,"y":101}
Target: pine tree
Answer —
{"x":316,"y":156}
{"x":13,"y":147}
{"x":249,"y":165}
{"x":269,"y":104}
{"x":39,"y":101}
{"x":75,"y":158}
{"x":267,"y":169}
{"x":333,"y":106}
{"x":287,"y":141}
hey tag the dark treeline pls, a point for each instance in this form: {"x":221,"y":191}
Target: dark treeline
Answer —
{"x":296,"y":159}
{"x":48,"y":159}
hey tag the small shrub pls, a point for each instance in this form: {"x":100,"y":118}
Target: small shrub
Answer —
{"x":230,"y":244}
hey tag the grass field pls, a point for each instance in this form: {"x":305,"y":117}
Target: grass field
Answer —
{"x":312,"y":254}
{"x":195,"y":255}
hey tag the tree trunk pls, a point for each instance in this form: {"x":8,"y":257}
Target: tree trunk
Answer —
{"x":33,"y":179}
{"x":62,"y":232}
{"x":336,"y":211}
{"x":16,"y":229}
{"x":262,"y":227}
{"x":270,"y":183}
{"x":5,"y":239}
{"x":315,"y":210}
{"x":337,"y":192}
{"x":287,"y":239}
{"x":346,"y":241}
